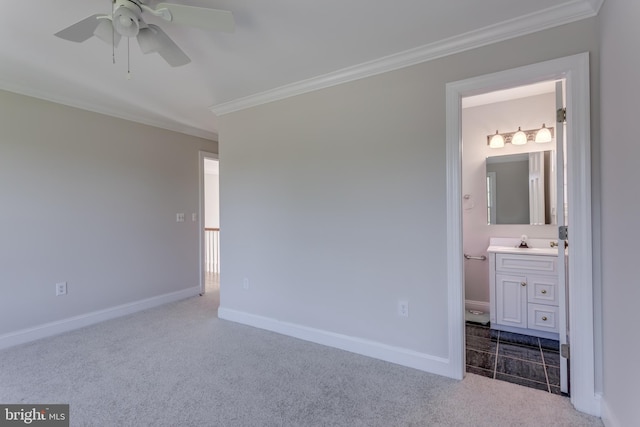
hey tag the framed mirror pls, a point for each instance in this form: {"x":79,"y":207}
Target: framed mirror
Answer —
{"x":521,"y":188}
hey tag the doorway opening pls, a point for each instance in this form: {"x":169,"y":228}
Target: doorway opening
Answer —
{"x":575,"y":72}
{"x":509,"y":190}
{"x":209,"y":223}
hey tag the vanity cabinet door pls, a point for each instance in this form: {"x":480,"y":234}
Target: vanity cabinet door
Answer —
{"x":511,"y":300}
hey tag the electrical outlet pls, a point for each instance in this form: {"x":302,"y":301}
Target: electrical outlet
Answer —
{"x":179,"y":217}
{"x":403,"y":308}
{"x":61,"y":288}
{"x":194,"y":217}
{"x":245,"y":284}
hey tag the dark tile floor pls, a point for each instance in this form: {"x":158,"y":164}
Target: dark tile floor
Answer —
{"x":520,"y":359}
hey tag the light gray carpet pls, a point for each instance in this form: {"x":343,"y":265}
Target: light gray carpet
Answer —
{"x":178,"y":365}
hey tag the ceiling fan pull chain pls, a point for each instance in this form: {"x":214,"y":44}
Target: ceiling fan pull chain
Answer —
{"x":113,"y":44}
{"x":113,"y":36}
{"x":128,"y":59}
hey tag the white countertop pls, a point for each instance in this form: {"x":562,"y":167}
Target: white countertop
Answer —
{"x":509,"y":245}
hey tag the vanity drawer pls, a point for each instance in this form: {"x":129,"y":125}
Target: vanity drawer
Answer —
{"x":542,"y":290}
{"x":543,"y":317}
{"x":538,"y":264}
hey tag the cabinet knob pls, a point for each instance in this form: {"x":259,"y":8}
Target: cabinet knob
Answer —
{"x":544,"y":291}
{"x":544,"y":318}
{"x":523,"y":283}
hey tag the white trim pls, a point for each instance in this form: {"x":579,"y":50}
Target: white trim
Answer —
{"x":608,"y":418}
{"x":202,"y":156}
{"x":398,"y":355}
{"x":455,"y":264}
{"x":580,"y":269}
{"x":537,"y":21}
{"x":483,"y":306}
{"x":54,"y":328}
{"x":596,"y":5}
{"x":107,"y":111}
{"x":575,"y":70}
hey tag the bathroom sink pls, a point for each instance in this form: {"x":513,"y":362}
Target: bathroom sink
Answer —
{"x":510,"y":246}
{"x":523,"y":251}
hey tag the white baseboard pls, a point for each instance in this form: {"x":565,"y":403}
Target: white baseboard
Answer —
{"x":398,"y":355}
{"x":76,"y":322}
{"x":608,"y":418}
{"x":476,"y":305}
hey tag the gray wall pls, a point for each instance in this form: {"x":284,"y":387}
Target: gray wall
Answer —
{"x":91,"y":200}
{"x":620,"y":208}
{"x":334,"y":205}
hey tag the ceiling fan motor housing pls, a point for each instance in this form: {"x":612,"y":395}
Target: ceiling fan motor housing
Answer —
{"x":126,"y":19}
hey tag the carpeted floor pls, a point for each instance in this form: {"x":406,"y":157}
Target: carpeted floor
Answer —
{"x":179,"y":365}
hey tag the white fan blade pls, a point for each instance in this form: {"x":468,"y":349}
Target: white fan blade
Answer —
{"x":201,"y":17}
{"x":80,"y":31}
{"x":167,"y":48}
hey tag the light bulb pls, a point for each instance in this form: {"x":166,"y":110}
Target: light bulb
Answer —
{"x":496,"y":141}
{"x":543,"y":135}
{"x":519,"y":138}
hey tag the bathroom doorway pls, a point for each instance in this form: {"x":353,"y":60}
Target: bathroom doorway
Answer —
{"x":509,"y":189}
{"x":575,"y":71}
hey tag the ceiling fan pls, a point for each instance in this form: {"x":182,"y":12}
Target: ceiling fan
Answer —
{"x":126,"y":20}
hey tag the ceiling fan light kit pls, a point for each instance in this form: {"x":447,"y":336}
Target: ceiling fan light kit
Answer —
{"x":148,"y":40}
{"x":104,"y":31}
{"x":126,"y":20}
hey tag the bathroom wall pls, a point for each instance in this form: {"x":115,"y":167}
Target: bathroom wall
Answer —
{"x":478,"y":122}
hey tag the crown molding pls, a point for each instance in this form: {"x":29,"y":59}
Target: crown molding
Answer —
{"x":548,"y":18}
{"x":167,"y":125}
{"x":596,"y":5}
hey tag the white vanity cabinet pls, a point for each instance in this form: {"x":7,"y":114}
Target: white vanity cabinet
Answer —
{"x":524,"y":292}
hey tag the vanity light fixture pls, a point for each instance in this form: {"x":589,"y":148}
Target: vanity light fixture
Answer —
{"x":543,"y":135}
{"x":496,"y":141}
{"x":520,"y":137}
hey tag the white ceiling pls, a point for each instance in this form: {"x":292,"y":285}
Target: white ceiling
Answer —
{"x":279,"y":48}
{"x":509,"y":94}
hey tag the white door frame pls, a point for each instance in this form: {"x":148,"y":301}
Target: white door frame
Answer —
{"x":202,"y":156}
{"x":575,"y":70}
